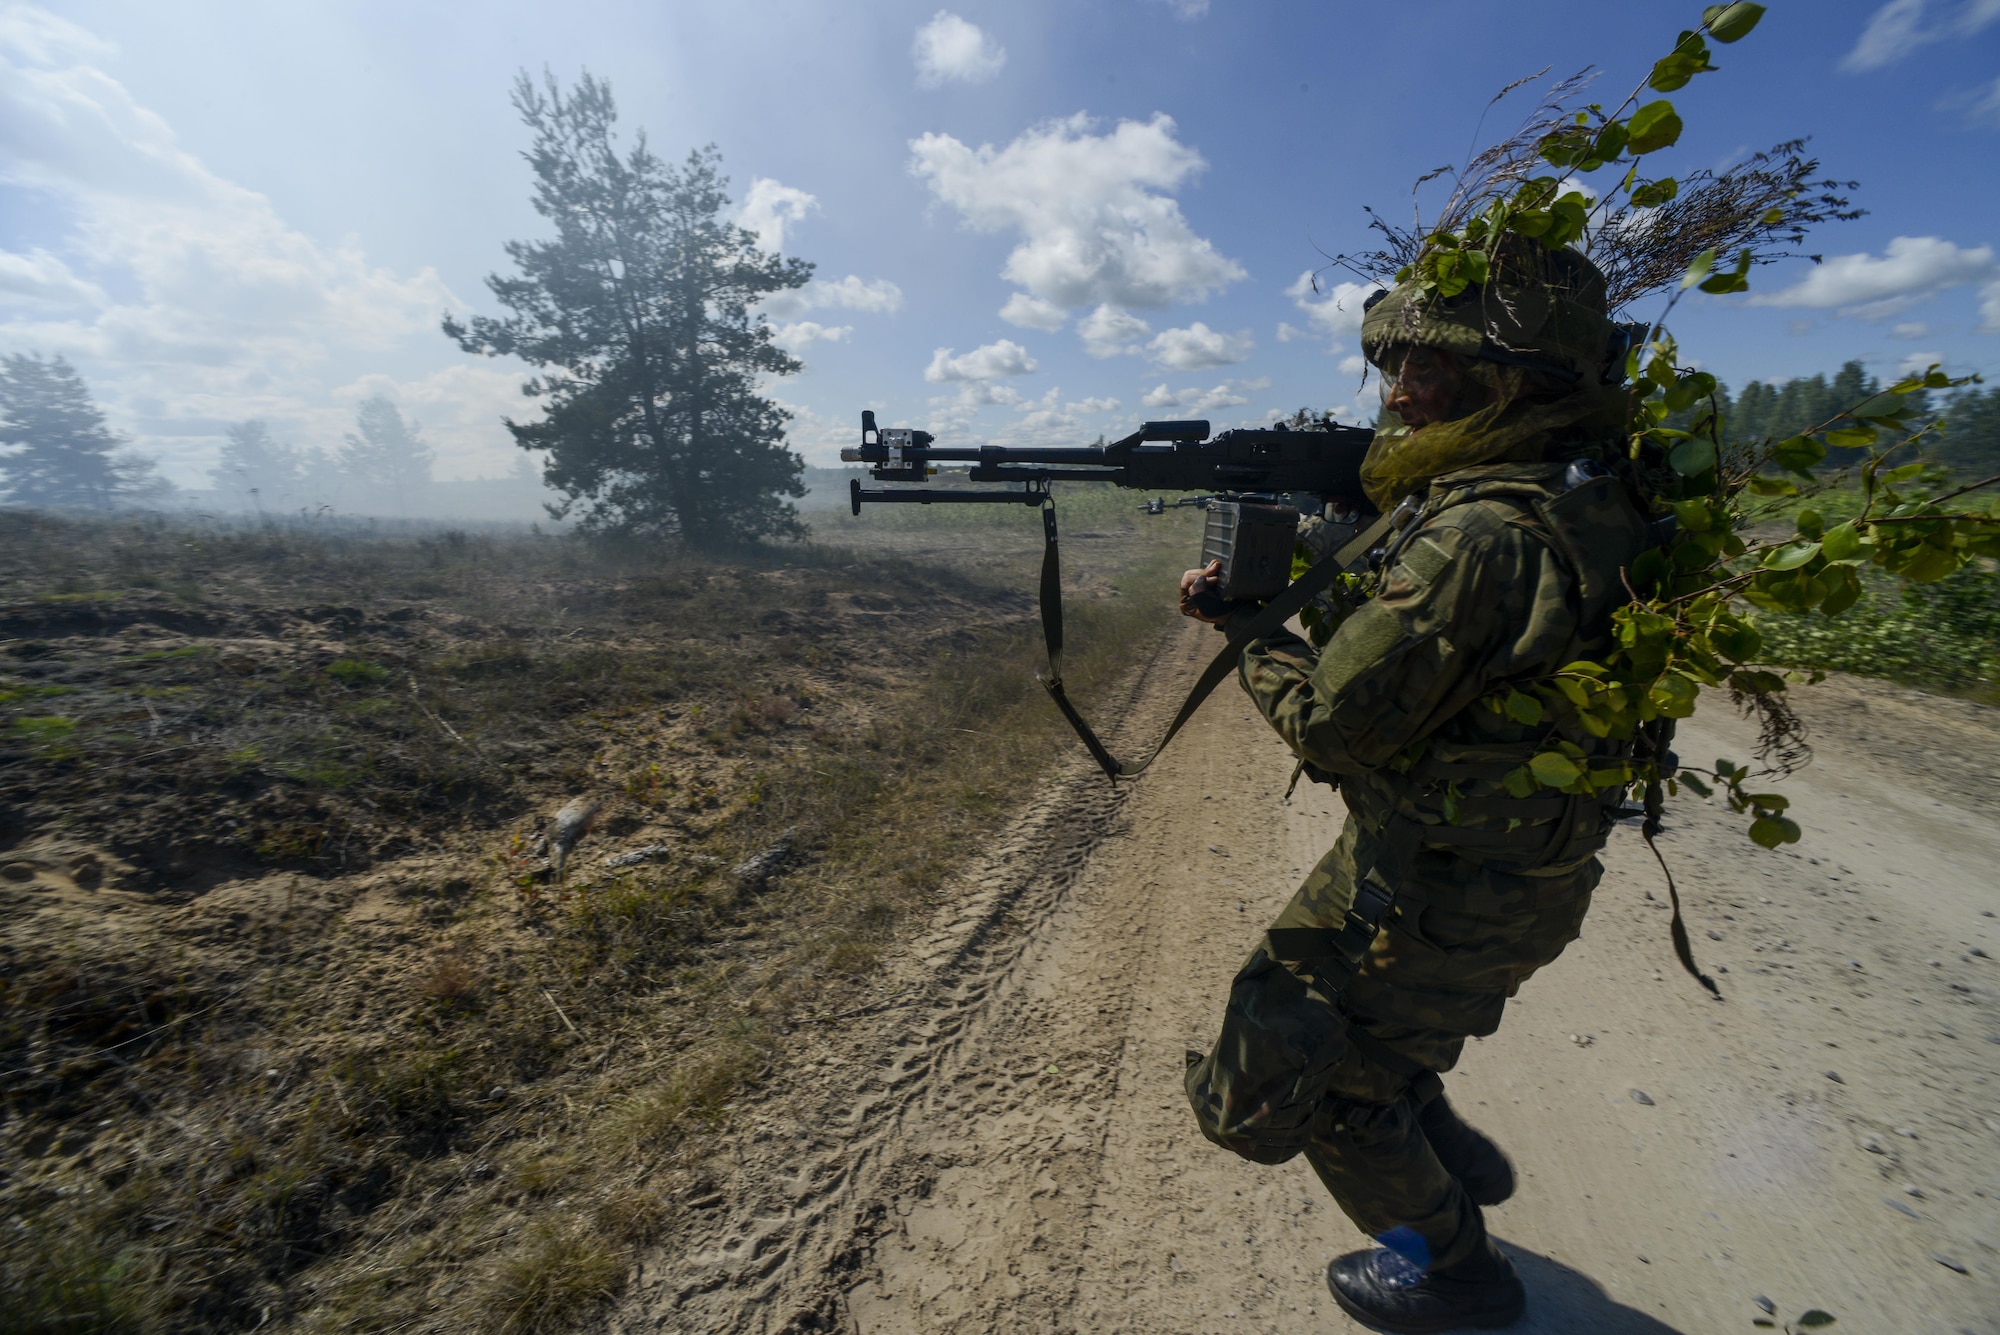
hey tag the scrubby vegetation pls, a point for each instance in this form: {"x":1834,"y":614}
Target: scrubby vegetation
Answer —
{"x":300,"y":1031}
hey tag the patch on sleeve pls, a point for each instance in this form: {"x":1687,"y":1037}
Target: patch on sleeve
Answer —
{"x":1362,"y":641}
{"x":1425,"y":560}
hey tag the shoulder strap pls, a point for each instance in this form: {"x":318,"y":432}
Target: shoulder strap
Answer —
{"x":1273,"y":615}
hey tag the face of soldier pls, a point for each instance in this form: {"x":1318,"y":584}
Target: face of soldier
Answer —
{"x":1425,"y":385}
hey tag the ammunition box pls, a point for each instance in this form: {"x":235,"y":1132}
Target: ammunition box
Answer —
{"x":1254,"y":543}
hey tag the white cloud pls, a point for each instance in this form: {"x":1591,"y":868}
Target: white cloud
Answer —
{"x":1110,"y":332}
{"x":948,"y":49}
{"x":1093,"y":226}
{"x":44,"y":279}
{"x":983,"y":394}
{"x":1910,"y":329}
{"x":1228,"y":394}
{"x":1355,"y":365}
{"x":1919,"y":362}
{"x":184,"y":298}
{"x":1290,"y":333}
{"x":991,"y":362}
{"x":1048,"y":420}
{"x":1186,"y":9}
{"x":769,"y":206}
{"x":1989,"y":309}
{"x":1335,"y":310}
{"x":1033,"y":313}
{"x":1913,"y":267}
{"x":799,"y":335}
{"x":1051,"y":421}
{"x":1981,"y":105}
{"x":851,"y":293}
{"x":1898,"y":28}
{"x":1198,"y":348}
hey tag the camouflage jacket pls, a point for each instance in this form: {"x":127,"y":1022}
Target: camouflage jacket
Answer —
{"x":1505,"y":575}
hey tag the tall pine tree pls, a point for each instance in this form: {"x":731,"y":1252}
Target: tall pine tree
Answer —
{"x":61,"y":453}
{"x":256,"y":468}
{"x":640,"y":314}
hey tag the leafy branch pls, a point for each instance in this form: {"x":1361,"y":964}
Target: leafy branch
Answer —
{"x":1689,"y":625}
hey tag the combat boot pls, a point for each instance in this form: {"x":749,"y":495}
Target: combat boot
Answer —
{"x":1468,"y":1155}
{"x":1384,"y":1291}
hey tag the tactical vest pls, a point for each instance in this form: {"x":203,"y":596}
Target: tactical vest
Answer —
{"x":1589,"y":522}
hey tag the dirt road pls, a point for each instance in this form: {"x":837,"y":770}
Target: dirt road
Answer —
{"x":1002,"y":1144}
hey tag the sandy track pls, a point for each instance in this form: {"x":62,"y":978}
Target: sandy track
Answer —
{"x":1004,"y":1146}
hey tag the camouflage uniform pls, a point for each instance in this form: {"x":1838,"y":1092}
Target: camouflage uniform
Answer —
{"x":1505,"y":575}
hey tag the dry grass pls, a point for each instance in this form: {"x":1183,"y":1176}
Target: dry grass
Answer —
{"x":326,"y":1051}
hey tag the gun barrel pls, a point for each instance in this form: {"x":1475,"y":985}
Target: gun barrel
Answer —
{"x":1160,"y":456}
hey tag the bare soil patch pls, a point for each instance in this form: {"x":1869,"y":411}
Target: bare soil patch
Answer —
{"x":1004,"y":1144}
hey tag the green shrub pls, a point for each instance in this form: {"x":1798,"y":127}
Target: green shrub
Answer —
{"x":1942,"y":636}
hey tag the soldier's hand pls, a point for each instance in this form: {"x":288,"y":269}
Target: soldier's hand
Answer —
{"x":1199,"y":596}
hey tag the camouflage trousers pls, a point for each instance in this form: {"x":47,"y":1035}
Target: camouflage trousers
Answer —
{"x":1460,"y":941}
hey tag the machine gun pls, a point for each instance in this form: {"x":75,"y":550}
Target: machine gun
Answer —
{"x":1259,"y":483}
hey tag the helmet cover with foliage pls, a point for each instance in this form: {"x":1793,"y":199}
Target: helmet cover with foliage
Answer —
{"x":1536,"y":334}
{"x":1540,"y":309}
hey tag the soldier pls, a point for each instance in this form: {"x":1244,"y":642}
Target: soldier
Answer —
{"x":1503,"y":428}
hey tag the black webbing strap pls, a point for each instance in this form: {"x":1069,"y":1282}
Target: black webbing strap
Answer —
{"x":1273,"y":615}
{"x":1661,"y":736}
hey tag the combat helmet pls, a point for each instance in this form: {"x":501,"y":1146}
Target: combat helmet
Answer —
{"x":1541,"y":310}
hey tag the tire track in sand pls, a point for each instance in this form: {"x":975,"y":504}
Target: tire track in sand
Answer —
{"x":1013,"y":1152}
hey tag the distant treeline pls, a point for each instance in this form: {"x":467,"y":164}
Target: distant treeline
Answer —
{"x":1970,"y":442}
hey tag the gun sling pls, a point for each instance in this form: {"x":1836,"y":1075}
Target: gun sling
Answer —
{"x":1271,"y":616}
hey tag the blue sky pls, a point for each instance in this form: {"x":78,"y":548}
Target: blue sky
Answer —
{"x":1033,"y":221}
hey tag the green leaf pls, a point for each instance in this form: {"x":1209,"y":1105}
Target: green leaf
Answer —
{"x":1731,"y":23}
{"x":1738,"y":641}
{"x":1523,"y":708}
{"x":1653,"y":127}
{"x":1673,"y":71}
{"x":1555,"y":769}
{"x":1757,"y":683}
{"x":1812,"y":524}
{"x":1774,"y":486}
{"x":1790,"y":555}
{"x":1845,"y":594}
{"x":1851,"y":437}
{"x":1519,"y":782}
{"x":1798,"y":453}
{"x":1655,"y":193}
{"x":1815,"y":1319}
{"x":1693,"y":457}
{"x":1698,"y":268}
{"x":1770,"y":801}
{"x":1736,"y":280}
{"x":1673,"y":695}
{"x":1770,"y":831}
{"x":1689,"y":389}
{"x":1610,"y":142}
{"x":1842,"y":542}
{"x":1695,"y":783}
